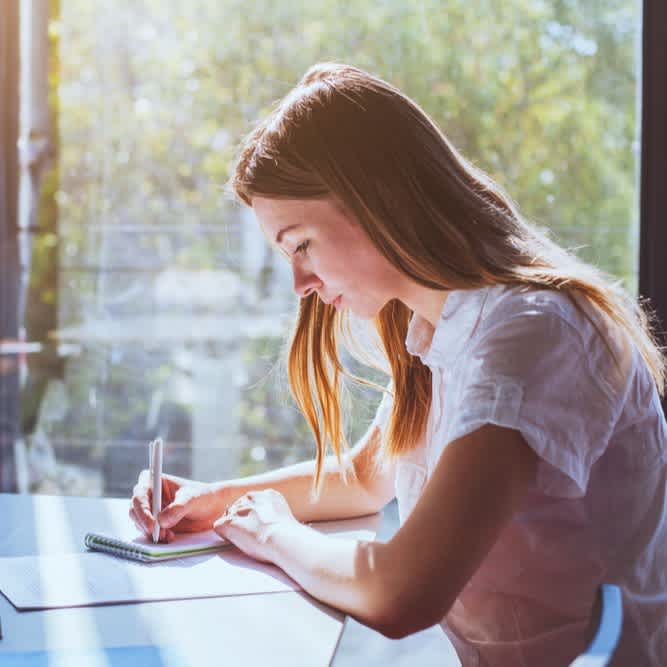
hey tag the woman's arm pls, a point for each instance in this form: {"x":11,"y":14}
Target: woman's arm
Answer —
{"x":476,"y":487}
{"x":410,"y":582}
{"x":366,"y":492}
{"x":189,"y":505}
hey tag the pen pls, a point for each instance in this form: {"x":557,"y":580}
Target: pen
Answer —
{"x":155,"y":454}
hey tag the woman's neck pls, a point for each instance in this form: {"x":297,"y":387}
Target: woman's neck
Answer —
{"x":425,"y":302}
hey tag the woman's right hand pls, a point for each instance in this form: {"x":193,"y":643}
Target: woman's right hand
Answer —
{"x":187,"y":506}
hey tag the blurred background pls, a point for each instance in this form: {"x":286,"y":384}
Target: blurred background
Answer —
{"x":151,"y":305}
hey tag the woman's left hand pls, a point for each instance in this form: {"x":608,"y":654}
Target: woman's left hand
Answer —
{"x":252,"y":519}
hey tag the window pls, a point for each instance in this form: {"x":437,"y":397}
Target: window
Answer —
{"x":160,"y":309}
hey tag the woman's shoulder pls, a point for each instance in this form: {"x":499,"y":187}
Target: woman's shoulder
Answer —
{"x":559,"y":322}
{"x":568,"y":310}
{"x":529,"y":312}
{"x":505,"y":302}
{"x":496,"y":312}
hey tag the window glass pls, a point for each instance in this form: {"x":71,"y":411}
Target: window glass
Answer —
{"x":165,"y":309}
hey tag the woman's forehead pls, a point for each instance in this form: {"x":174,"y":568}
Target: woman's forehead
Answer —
{"x":276,"y":214}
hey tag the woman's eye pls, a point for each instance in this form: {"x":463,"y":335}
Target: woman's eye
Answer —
{"x":302,"y":247}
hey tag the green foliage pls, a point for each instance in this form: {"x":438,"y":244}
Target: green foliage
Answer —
{"x":541,"y":94}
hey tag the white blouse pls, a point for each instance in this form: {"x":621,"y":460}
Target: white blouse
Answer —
{"x":531,"y":361}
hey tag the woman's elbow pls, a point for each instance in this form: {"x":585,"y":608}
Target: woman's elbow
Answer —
{"x":402,"y":601}
{"x":397,"y":619}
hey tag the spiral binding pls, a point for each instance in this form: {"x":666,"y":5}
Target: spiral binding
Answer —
{"x":116,"y":547}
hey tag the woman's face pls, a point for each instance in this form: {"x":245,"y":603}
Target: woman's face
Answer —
{"x":330,"y":254}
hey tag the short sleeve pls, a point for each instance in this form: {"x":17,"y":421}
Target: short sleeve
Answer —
{"x":530,"y":372}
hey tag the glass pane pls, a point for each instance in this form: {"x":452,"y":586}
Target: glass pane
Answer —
{"x":170,"y":310}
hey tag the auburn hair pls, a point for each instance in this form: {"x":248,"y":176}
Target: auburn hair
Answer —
{"x":346,"y":134}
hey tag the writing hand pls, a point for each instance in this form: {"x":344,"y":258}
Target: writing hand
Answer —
{"x":187,"y":506}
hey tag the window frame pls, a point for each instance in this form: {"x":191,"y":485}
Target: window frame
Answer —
{"x":10,"y":287}
{"x":652,"y":213}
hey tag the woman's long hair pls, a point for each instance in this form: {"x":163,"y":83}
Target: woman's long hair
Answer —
{"x":346,"y":134}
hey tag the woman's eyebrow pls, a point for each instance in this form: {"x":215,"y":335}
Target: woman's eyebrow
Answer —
{"x":279,"y":235}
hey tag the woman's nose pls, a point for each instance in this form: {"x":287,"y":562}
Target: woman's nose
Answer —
{"x":305,"y":282}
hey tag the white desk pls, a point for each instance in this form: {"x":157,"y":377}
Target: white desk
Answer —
{"x":290,"y":629}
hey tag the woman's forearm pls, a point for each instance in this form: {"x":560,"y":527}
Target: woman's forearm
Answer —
{"x":346,"y":574}
{"x":338,"y":500}
{"x":353,"y":575}
{"x":365,"y":492}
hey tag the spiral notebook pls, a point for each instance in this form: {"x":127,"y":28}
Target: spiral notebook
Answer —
{"x":144,"y":550}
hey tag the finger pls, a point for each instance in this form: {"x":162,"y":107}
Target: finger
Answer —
{"x":137,"y":522}
{"x":244,"y":510}
{"x":221,"y":526}
{"x":237,"y":505}
{"x":238,"y":509}
{"x":229,"y":514}
{"x":140,"y":490}
{"x":146,"y":519}
{"x":172,"y":514}
{"x":167,"y":492}
{"x":243,"y":501}
{"x":141,"y":506}
{"x":143,"y":529}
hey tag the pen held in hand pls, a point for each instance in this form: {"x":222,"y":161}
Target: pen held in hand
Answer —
{"x":155,"y":451}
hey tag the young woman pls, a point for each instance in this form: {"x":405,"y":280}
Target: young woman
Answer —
{"x":521,"y":432}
